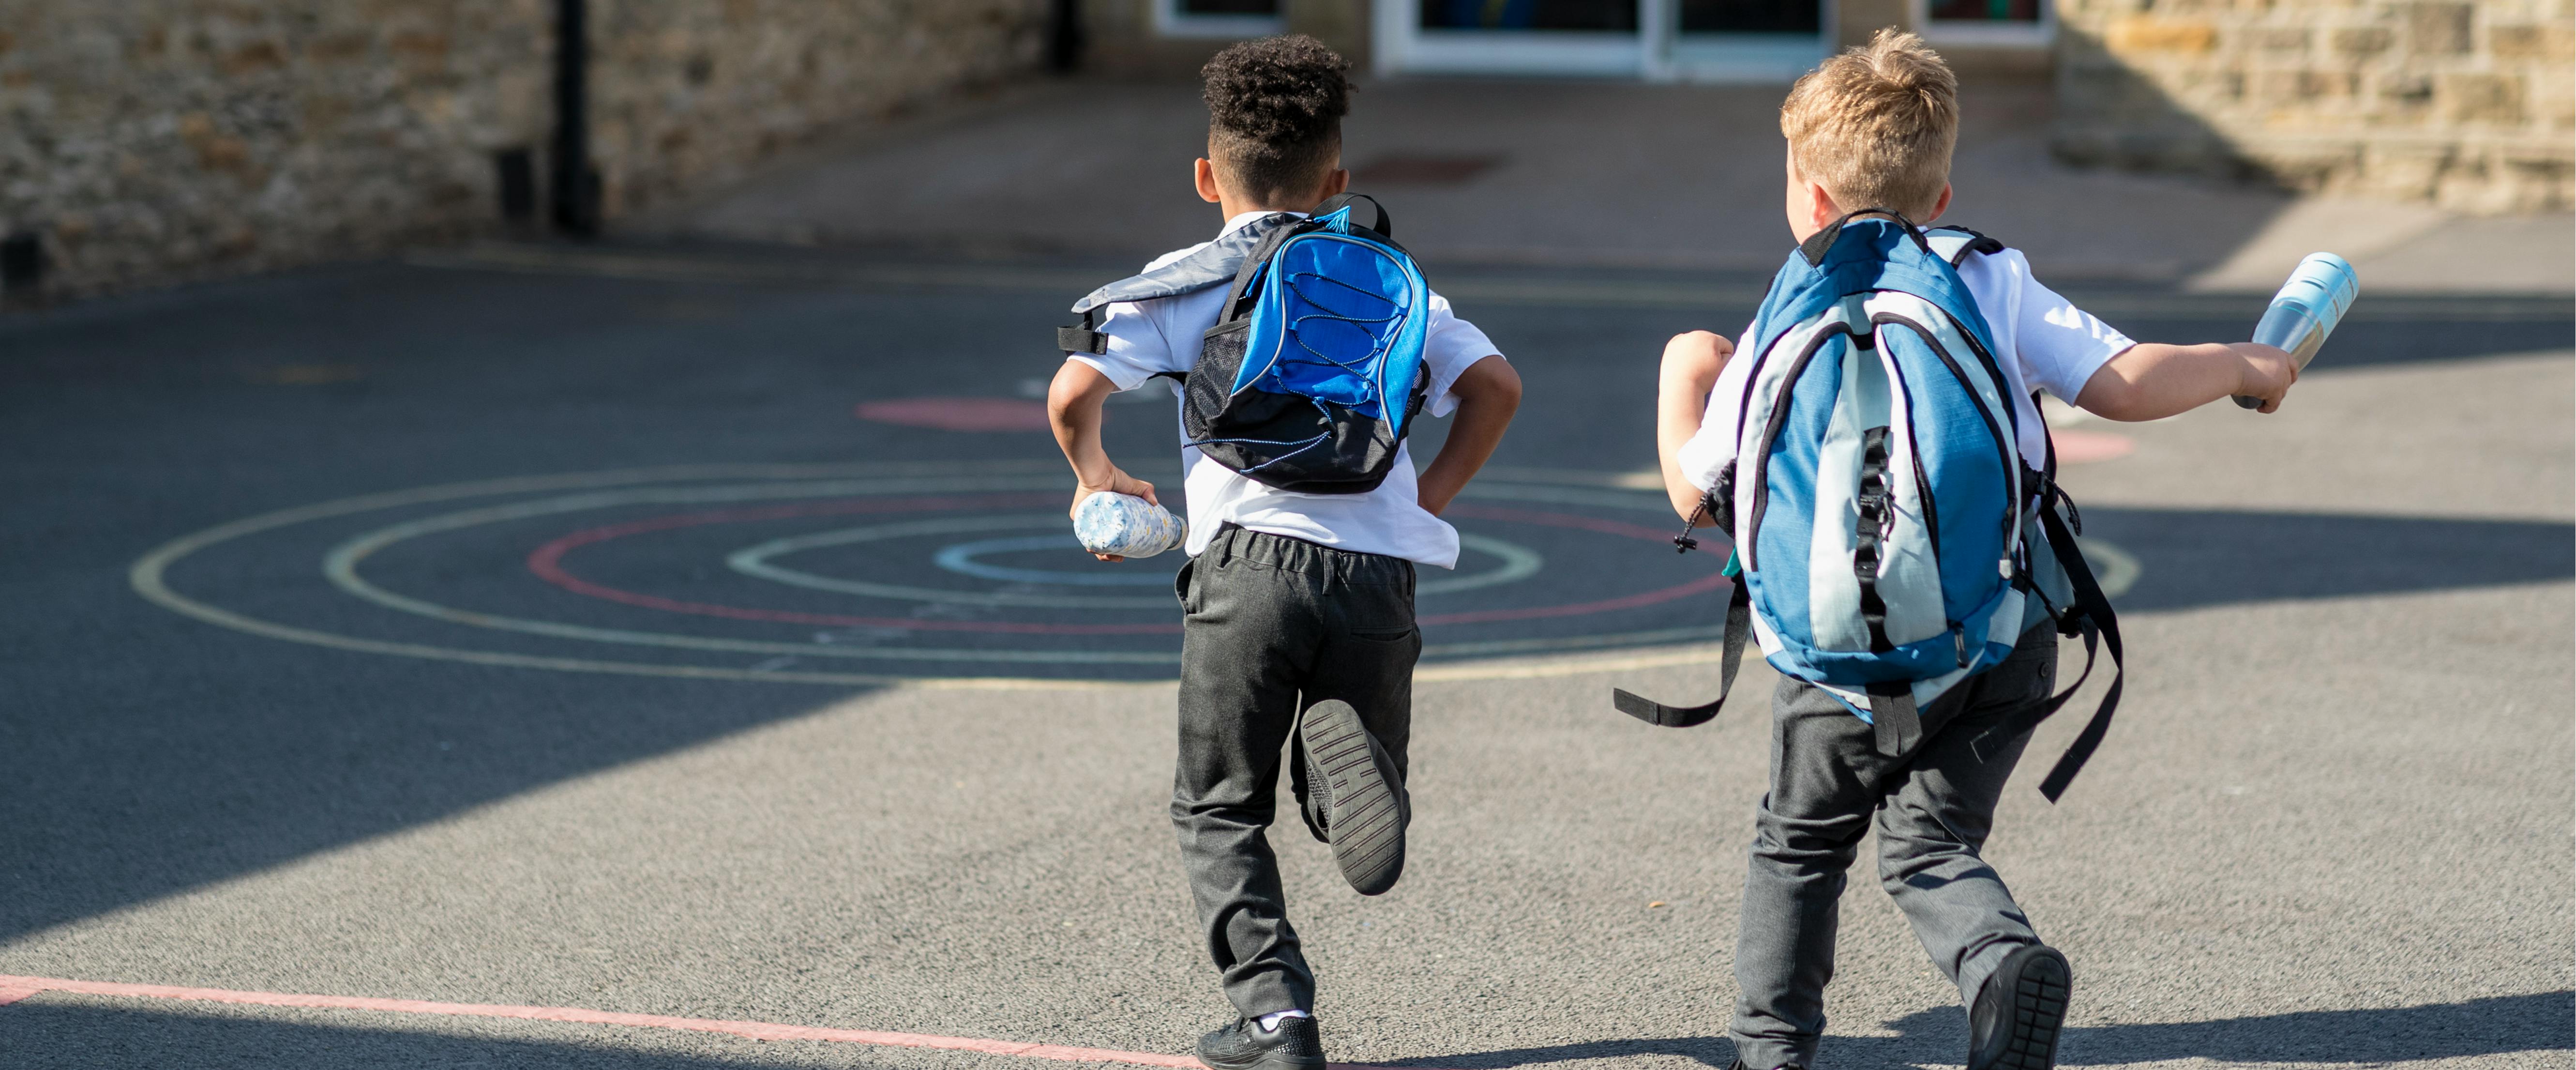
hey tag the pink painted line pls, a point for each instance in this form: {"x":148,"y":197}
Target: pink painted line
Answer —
{"x":17,"y":988}
{"x":2088,"y":447}
{"x":959,"y":414}
{"x":1580,"y":523}
{"x":547,"y":563}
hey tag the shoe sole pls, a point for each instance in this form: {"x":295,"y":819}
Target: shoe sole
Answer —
{"x":1366,"y":824}
{"x":2040,"y":992}
{"x":1267,"y":1061}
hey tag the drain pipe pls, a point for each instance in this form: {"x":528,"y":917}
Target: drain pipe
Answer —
{"x":576,"y":183}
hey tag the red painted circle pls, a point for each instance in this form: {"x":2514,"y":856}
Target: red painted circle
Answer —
{"x":547,"y":563}
{"x":2086,"y":447}
{"x":959,"y":414}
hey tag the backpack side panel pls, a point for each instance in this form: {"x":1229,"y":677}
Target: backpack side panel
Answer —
{"x":1965,"y":429}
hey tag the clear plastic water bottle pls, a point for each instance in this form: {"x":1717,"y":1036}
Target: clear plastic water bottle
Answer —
{"x":1128,"y":526}
{"x":2306,"y":310}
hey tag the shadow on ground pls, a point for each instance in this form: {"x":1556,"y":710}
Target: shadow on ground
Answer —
{"x":157,"y":786}
{"x":2501,"y":1025}
{"x":43,"y":1037}
{"x":2195,"y":558}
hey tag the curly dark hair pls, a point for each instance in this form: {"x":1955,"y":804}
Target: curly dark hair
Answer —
{"x":1275,"y":108}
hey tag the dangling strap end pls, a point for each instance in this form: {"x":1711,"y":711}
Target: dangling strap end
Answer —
{"x":1739,"y":630}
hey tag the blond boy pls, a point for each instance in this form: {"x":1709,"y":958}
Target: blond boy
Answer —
{"x":1873,"y":128}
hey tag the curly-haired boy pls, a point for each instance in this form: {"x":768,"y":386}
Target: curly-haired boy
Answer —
{"x":1298,"y":627}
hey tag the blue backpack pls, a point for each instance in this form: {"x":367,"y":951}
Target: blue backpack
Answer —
{"x":1313,"y":373}
{"x":1884,"y":521}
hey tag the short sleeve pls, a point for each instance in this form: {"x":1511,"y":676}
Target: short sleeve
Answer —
{"x":1137,"y":351}
{"x":1450,"y":346}
{"x":2059,"y":345}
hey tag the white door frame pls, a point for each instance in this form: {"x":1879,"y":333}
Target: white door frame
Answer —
{"x":1402,"y":46}
{"x":1657,"y":52}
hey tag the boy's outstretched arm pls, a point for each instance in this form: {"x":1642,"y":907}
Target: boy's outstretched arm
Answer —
{"x":1073,"y":407}
{"x":1489,"y":392}
{"x":2151,"y":381}
{"x":1691,"y":364}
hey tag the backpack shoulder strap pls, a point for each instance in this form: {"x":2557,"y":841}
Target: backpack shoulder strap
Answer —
{"x":2091,"y":616}
{"x":1953,"y":244}
{"x":1215,"y":264}
{"x":1375,"y":218}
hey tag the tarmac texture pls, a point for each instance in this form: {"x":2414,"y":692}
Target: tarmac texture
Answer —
{"x":674,"y":629}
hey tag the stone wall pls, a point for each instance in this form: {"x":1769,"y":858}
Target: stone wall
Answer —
{"x":145,"y":141}
{"x":2468,"y":105}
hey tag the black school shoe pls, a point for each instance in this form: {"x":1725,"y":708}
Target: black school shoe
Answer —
{"x":1349,"y":781}
{"x":2019,"y":1012}
{"x":1244,"y":1045}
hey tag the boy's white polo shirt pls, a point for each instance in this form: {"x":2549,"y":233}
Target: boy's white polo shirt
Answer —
{"x":2054,"y":345}
{"x":1148,"y":338}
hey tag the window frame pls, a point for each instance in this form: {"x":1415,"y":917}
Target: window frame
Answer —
{"x":2029,"y":35}
{"x":1171,"y":21}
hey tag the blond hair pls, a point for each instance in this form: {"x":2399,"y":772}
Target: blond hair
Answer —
{"x":1875,"y":125}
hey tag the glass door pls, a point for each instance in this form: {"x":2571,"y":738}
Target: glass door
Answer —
{"x":2001,"y":23}
{"x":1582,"y":37}
{"x":1766,"y":41}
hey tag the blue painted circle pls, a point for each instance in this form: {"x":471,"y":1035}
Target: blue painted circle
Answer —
{"x":961,"y":558}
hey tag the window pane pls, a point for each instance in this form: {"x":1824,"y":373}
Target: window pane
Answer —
{"x":1615,"y":15}
{"x":1985,"y":10}
{"x":1753,"y":16}
{"x":1264,"y":8}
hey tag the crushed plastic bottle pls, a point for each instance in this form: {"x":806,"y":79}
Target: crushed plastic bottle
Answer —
{"x":1128,"y":526}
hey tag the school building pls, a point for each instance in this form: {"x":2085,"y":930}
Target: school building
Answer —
{"x":145,"y":143}
{"x":1743,"y":41}
{"x":2470,"y":104}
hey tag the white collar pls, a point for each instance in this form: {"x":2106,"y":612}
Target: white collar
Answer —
{"x":1246,"y":219}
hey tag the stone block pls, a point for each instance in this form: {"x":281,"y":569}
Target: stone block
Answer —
{"x":2147,"y":34}
{"x":2439,"y":29}
{"x":2279,"y":38}
{"x":2549,"y":43}
{"x":2481,"y":98}
{"x":2304,"y":86}
{"x":2362,"y":42}
{"x":2405,"y":172}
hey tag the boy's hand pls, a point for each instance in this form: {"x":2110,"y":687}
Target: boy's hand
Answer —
{"x":1073,"y":409}
{"x":1114,"y":481}
{"x":2267,"y":373}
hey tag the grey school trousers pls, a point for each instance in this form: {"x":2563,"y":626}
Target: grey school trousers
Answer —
{"x":1273,"y":625}
{"x":1933,"y":807}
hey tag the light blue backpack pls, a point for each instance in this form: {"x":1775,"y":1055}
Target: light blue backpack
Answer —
{"x":1883,"y":518}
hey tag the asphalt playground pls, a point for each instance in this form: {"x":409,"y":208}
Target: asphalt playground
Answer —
{"x":670,"y":654}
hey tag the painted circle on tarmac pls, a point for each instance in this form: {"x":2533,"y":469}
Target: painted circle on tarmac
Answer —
{"x":871,"y":574}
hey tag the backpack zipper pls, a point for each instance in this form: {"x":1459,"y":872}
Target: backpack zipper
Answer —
{"x":2003,"y":450}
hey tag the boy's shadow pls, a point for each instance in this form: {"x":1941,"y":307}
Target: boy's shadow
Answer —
{"x":2497,"y":1025}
